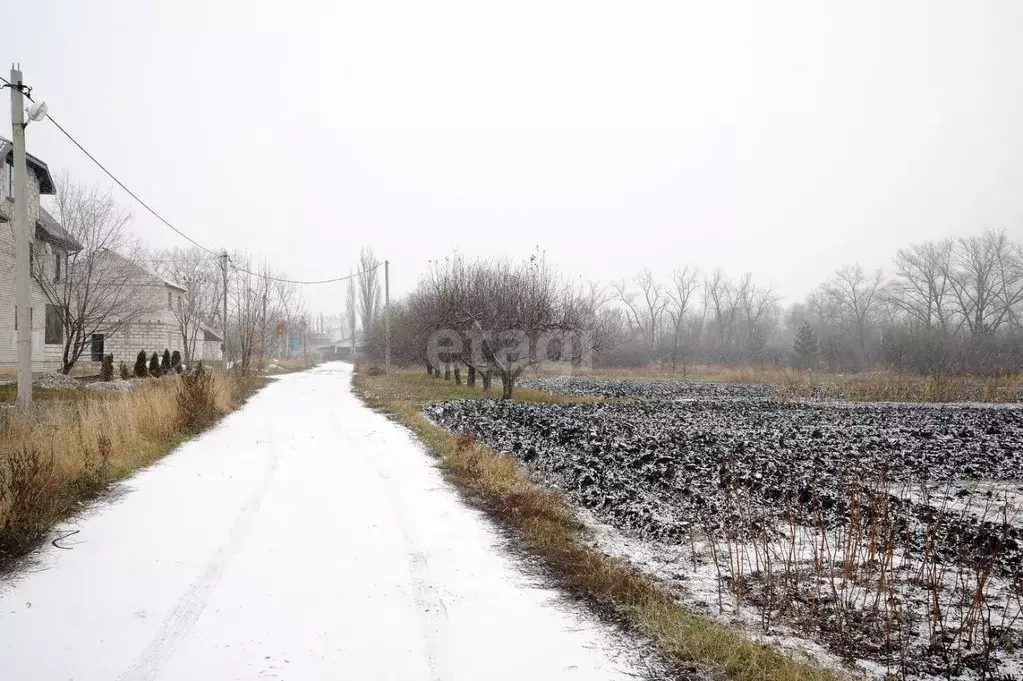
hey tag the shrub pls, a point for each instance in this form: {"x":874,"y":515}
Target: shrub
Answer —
{"x":107,"y":371}
{"x":140,"y":365}
{"x":197,"y":404}
{"x":154,"y":366}
{"x":176,"y":361}
{"x":165,"y":362}
{"x":125,"y":373}
{"x":374,"y":370}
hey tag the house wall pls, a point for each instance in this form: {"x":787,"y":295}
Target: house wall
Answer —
{"x":209,"y":351}
{"x":155,"y":330}
{"x":44,"y":356}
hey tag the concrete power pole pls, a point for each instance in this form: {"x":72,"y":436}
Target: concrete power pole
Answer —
{"x":223,"y":267}
{"x":387,"y":316}
{"x":23,"y":313}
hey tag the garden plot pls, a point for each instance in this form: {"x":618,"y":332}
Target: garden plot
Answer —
{"x":890,"y":534}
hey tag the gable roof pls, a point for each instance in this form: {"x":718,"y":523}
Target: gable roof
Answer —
{"x":52,"y":230}
{"x":34,"y":164}
{"x":142,"y":270}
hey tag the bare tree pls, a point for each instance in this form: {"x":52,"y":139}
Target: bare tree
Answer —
{"x":645,"y":307}
{"x":857,"y":297}
{"x":686,"y":282}
{"x":103,"y":286}
{"x":986,"y":278}
{"x":756,"y":302}
{"x":197,"y":272}
{"x":352,"y":312}
{"x":369,"y":289}
{"x":724,"y":302}
{"x":922,"y":287}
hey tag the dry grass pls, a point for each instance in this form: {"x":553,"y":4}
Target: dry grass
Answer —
{"x":547,"y":527}
{"x":70,"y":450}
{"x":873,"y":386}
{"x":415,"y":386}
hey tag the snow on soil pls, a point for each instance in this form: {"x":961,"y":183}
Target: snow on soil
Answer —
{"x":671,"y":472}
{"x":116,"y":385}
{"x":306,"y":537}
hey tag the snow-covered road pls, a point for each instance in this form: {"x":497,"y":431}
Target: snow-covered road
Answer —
{"x":306,"y":537}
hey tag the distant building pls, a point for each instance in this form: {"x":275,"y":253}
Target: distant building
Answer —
{"x":158,"y":327}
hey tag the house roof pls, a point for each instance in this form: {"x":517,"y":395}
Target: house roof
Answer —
{"x":38,"y":167}
{"x":53,"y":231}
{"x":207,"y":330}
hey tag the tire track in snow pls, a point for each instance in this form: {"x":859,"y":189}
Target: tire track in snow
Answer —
{"x":431,"y":611}
{"x":186,"y":612}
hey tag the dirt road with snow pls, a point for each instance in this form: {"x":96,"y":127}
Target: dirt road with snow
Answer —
{"x":306,"y":537}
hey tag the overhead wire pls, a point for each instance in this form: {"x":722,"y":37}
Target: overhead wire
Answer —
{"x":297,"y":281}
{"x":183,"y":234}
{"x":125,"y":188}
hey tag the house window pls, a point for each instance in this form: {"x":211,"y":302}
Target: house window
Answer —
{"x":54,"y":326}
{"x":97,"y":347}
{"x":56,"y":266}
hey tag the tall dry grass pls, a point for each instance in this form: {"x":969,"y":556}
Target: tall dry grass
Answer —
{"x":872,"y":386}
{"x":69,"y":451}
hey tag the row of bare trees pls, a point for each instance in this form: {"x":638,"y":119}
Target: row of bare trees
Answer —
{"x":949,"y":306}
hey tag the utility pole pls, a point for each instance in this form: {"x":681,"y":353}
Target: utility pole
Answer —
{"x":387,"y":316}
{"x":23,"y":313}
{"x":223,"y":267}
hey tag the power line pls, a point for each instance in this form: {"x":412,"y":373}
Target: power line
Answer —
{"x":182,"y":234}
{"x":125,"y":188}
{"x":296,"y":281}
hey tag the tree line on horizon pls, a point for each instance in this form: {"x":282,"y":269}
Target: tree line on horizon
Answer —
{"x":949,"y":306}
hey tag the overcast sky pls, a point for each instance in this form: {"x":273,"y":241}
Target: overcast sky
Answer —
{"x":784,"y":138}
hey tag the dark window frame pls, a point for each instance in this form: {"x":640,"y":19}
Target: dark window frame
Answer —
{"x":101,"y":339}
{"x":54,"y":328}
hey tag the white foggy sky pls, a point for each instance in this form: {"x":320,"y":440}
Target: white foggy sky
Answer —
{"x":784,"y":138}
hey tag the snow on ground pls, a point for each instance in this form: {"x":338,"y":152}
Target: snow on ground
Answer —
{"x":306,"y":537}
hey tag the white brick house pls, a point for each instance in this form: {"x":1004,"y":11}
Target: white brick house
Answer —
{"x":49,"y":250}
{"x":158,"y":327}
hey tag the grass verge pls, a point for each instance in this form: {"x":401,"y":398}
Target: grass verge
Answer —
{"x":546,"y":526}
{"x":72,"y":449}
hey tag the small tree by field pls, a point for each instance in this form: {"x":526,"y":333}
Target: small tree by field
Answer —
{"x":176,"y":362}
{"x":165,"y":362}
{"x":805,"y":348}
{"x":154,"y":365}
{"x":125,"y":372}
{"x":141,"y":371}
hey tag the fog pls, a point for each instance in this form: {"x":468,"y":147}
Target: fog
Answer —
{"x":787,"y":139}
